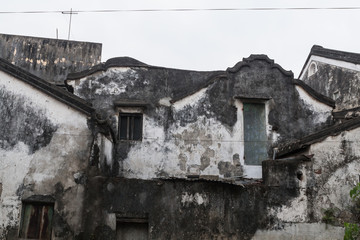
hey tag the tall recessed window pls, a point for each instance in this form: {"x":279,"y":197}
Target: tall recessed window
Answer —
{"x":255,"y":139}
{"x":130,"y":126}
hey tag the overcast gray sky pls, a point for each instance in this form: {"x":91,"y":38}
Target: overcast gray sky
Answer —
{"x":197,"y":40}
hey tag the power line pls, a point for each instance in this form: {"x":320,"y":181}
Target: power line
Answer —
{"x":182,"y":10}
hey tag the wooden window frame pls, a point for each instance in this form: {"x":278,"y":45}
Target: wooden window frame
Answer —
{"x":130,"y":132}
{"x":23,"y":233}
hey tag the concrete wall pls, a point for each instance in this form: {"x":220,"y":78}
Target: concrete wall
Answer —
{"x":178,"y":208}
{"x":44,"y":152}
{"x":50,"y":59}
{"x":323,"y":184}
{"x":335,"y":172}
{"x":193,"y":123}
{"x":336,"y":79}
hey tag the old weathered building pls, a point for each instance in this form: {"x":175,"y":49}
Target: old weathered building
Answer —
{"x":335,"y":74}
{"x":193,"y":138}
{"x":134,"y":151}
{"x":45,"y":143}
{"x":186,"y":123}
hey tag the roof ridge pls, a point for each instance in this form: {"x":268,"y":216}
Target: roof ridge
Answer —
{"x":320,"y":51}
{"x":262,"y":57}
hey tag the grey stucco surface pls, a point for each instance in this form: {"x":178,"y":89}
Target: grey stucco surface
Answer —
{"x":339,"y":83}
{"x":50,"y":59}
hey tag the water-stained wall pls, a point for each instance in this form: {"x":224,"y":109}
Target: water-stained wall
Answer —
{"x":179,"y":208}
{"x":193,"y":121}
{"x":323,"y":181}
{"x":50,"y":59}
{"x":336,"y":79}
{"x":334,"y":173}
{"x":44,"y":153}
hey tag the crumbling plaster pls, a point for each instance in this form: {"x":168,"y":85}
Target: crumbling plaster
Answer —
{"x":44,"y":150}
{"x":335,"y":172}
{"x":323,"y":184}
{"x":199,"y":132}
{"x":336,"y":79}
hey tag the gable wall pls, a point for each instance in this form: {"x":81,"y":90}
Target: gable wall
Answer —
{"x":336,"y":79}
{"x":44,"y":150}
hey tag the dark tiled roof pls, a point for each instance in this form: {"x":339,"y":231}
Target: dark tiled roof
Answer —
{"x":46,"y":87}
{"x":320,"y":51}
{"x":303,"y":143}
{"x":335,"y":54}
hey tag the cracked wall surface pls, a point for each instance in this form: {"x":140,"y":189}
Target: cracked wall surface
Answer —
{"x":337,"y":82}
{"x":193,"y":122}
{"x":44,"y":152}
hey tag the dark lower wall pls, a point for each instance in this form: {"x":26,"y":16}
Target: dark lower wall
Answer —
{"x":180,"y":209}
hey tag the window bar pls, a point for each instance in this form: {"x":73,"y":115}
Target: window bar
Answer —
{"x":132,"y":127}
{"x":127,"y":127}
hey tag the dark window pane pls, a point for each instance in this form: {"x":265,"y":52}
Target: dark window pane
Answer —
{"x":137,"y":128}
{"x":36,"y":221}
{"x":255,"y":145}
{"x":132,"y":231}
{"x":130,"y":126}
{"x":123,"y":127}
{"x":34,"y":224}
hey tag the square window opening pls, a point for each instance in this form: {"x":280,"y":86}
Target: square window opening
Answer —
{"x":130,"y":126}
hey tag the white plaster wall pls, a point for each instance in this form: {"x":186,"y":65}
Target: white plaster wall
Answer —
{"x":335,"y":171}
{"x":337,"y":163}
{"x":321,"y":111}
{"x":178,"y":152}
{"x":64,"y":156}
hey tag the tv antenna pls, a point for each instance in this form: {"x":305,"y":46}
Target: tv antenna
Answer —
{"x":70,"y":13}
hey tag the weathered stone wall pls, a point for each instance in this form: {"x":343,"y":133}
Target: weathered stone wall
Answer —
{"x":50,"y":59}
{"x":340,"y":83}
{"x":335,"y":172}
{"x":324,"y":185}
{"x":193,"y":123}
{"x":44,"y":152}
{"x":180,"y":209}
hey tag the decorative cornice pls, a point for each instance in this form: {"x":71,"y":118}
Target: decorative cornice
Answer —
{"x":259,"y":57}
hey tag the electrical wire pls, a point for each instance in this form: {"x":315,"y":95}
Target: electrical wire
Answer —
{"x":181,"y":10}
